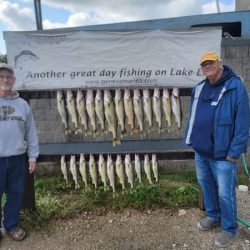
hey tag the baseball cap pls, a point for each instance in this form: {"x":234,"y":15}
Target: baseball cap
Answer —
{"x":209,"y":56}
{"x":7,"y":66}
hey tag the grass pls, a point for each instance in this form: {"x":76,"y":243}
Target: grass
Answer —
{"x":54,"y":200}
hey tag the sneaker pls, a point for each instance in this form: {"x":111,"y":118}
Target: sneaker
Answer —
{"x":16,"y":233}
{"x":206,"y":224}
{"x":224,"y":239}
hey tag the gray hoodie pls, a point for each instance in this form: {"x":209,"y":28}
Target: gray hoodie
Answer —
{"x":17,"y":128}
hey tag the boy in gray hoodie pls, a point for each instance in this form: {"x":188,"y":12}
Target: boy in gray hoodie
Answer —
{"x":18,"y":136}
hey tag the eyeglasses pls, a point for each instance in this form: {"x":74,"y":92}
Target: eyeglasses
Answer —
{"x":8,"y":78}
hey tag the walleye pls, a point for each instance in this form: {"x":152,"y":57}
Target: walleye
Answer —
{"x":61,"y":107}
{"x":176,"y":106}
{"x":73,"y":170}
{"x":120,"y":171}
{"x":93,"y":170}
{"x":157,"y":107}
{"x":129,"y":170}
{"x":102,"y":168}
{"x":111,"y":172}
{"x":81,"y":108}
{"x":90,"y":107}
{"x":138,"y":168}
{"x":71,"y":106}
{"x":99,"y":109}
{"x":109,"y":110}
{"x":119,"y":109}
{"x":166,"y":107}
{"x":155,"y":168}
{"x":65,"y":169}
{"x":147,"y":106}
{"x":138,"y":109}
{"x":129,"y":111}
{"x":147,"y":168}
{"x":83,"y":170}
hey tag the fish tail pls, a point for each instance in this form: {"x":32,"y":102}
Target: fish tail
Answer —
{"x":142,"y":133}
{"x":78,"y":131}
{"x":133,"y":131}
{"x":116,"y":141}
{"x":67,"y":131}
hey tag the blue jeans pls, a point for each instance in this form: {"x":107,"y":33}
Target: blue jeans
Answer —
{"x":218,"y":183}
{"x":12,"y":177}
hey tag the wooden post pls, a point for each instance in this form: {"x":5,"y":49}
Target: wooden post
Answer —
{"x":200,"y":199}
{"x":28,"y":201}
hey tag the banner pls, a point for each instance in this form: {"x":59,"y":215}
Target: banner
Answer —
{"x":97,"y":59}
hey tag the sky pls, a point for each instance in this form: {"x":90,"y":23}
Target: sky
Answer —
{"x":20,"y":15}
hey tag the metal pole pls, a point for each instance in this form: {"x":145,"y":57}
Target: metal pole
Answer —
{"x":38,"y":14}
{"x":218,"y":6}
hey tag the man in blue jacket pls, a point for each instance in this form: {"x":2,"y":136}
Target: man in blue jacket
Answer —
{"x":218,"y":130}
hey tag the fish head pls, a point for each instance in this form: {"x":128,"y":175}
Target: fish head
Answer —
{"x":153,"y":157}
{"x":127,"y":158}
{"x":98,"y":95}
{"x":63,"y":158}
{"x":175,"y":92}
{"x":82,"y":158}
{"x":101,"y":158}
{"x":146,"y":94}
{"x":107,"y":96}
{"x":127,"y":94}
{"x":91,"y":159}
{"x":118,"y":94}
{"x":79,"y":95}
{"x":90,"y":95}
{"x":146,"y":158}
{"x":137,"y":159}
{"x":59,"y":95}
{"x":157,"y":92}
{"x":69,"y":95}
{"x":118,"y":159}
{"x":72,"y":159}
{"x":109,"y":161}
{"x":165,"y":93}
{"x":137,"y":94}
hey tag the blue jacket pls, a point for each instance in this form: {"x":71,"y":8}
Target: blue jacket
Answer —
{"x":231,"y":119}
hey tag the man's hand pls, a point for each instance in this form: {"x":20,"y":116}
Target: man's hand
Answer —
{"x":32,"y":166}
{"x":231,"y":159}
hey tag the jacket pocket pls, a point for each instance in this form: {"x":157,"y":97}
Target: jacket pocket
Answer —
{"x":225,"y":120}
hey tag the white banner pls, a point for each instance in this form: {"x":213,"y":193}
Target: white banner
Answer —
{"x":97,"y":59}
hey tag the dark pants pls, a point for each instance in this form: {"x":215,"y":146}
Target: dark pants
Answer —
{"x":12,"y":179}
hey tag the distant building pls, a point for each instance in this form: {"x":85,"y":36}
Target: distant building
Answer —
{"x":242,"y":5}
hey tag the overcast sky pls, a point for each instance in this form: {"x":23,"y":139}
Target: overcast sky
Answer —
{"x":19,"y":15}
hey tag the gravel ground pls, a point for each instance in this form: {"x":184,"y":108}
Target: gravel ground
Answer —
{"x":158,"y":229}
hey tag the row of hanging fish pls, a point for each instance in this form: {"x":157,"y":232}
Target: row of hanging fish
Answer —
{"x":108,"y":171}
{"x":110,"y":112}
